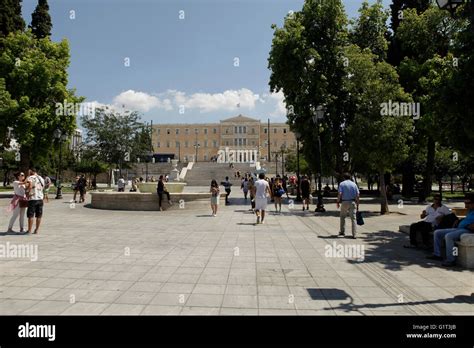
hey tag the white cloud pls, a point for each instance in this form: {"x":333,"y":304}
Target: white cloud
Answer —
{"x":207,"y":102}
{"x":278,"y":99}
{"x":140,"y":101}
{"x":228,"y":100}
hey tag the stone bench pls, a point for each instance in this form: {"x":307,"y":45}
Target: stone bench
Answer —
{"x":466,"y":251}
{"x":148,"y":201}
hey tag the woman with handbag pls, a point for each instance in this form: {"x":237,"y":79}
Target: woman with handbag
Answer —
{"x":215,"y":191}
{"x":19,"y":203}
{"x":278,"y":192}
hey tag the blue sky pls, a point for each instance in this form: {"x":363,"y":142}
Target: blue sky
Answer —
{"x":180,"y":70}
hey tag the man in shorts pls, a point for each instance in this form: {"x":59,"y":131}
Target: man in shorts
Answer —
{"x":262,"y":191}
{"x":34,"y":187}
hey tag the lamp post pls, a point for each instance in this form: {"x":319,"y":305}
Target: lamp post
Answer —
{"x":149,"y":155}
{"x":196,"y":146}
{"x":318,"y":114}
{"x":283,"y":148}
{"x":298,"y":187}
{"x":60,"y":137}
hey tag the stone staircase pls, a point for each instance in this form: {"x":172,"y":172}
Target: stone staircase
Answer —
{"x":203,"y":172}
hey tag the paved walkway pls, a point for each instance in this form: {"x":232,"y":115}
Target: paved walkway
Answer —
{"x":187,"y":262}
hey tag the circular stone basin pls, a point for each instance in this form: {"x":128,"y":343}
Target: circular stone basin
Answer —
{"x":150,"y":187}
{"x":148,"y":201}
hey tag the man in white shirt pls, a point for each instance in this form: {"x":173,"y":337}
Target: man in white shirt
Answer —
{"x":262,"y":191}
{"x":432,"y":216}
{"x":34,"y":187}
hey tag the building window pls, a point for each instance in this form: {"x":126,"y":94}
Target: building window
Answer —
{"x":253,"y":142}
{"x":196,"y":131}
{"x":274,"y":130}
{"x":227,"y":143}
{"x":214,"y":143}
{"x":177,"y":144}
{"x":245,"y":141}
{"x":177,"y":131}
{"x":253,"y":130}
{"x":167,"y":144}
{"x":236,"y":129}
{"x":205,"y":143}
{"x":265,"y":130}
{"x":235,"y":142}
{"x":227,"y":131}
{"x":240,"y":142}
{"x":245,"y":129}
{"x":158,"y":144}
{"x":158,"y":131}
{"x":284,"y":130}
{"x":186,"y":131}
{"x":186,"y":144}
{"x":205,"y":130}
{"x":214,"y":131}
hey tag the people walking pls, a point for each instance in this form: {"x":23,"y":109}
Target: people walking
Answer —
{"x":278,"y":193}
{"x":215,"y":192}
{"x":262,"y":190}
{"x":227,"y":184}
{"x":161,"y":189}
{"x":348,"y":200}
{"x":19,"y":203}
{"x":305,"y":191}
{"x":75,"y":187}
{"x":34,"y":188}
{"x":245,"y":187}
{"x":81,"y":186}
{"x":47,"y":186}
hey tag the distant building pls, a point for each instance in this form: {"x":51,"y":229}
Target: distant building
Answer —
{"x":236,"y":139}
{"x":75,"y":142}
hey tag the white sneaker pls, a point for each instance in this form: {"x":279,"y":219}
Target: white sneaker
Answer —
{"x":262,"y":222}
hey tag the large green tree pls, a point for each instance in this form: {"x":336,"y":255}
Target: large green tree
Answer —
{"x":41,"y":24}
{"x":427,"y":67}
{"x":370,"y":29}
{"x":376,"y":139}
{"x":10,"y":17}
{"x":113,"y":136}
{"x":35,"y":75}
{"x":307,"y":65}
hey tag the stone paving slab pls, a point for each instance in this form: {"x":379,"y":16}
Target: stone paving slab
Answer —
{"x":187,"y":262}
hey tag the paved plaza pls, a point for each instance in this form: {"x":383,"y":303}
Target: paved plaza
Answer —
{"x":183,"y":261}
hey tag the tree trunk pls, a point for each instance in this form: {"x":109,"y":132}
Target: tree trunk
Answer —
{"x":408,"y":179}
{"x":25,"y":159}
{"x":383,"y":195}
{"x":430,"y":159}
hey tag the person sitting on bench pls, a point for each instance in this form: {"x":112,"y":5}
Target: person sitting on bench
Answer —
{"x":432,"y":217}
{"x":450,"y":235}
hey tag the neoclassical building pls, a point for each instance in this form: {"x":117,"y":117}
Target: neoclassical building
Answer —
{"x":236,"y":139}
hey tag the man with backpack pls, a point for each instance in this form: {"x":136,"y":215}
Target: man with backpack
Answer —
{"x":34,"y":188}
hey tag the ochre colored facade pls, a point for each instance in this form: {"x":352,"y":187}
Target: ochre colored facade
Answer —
{"x":240,"y":134}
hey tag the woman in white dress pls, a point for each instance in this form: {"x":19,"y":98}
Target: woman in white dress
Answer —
{"x":18,"y":203}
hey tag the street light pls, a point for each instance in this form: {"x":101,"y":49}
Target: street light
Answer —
{"x":149,"y":155}
{"x":318,"y":114}
{"x":298,"y":187}
{"x":282,"y":148}
{"x":60,"y":137}
{"x":196,"y":146}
